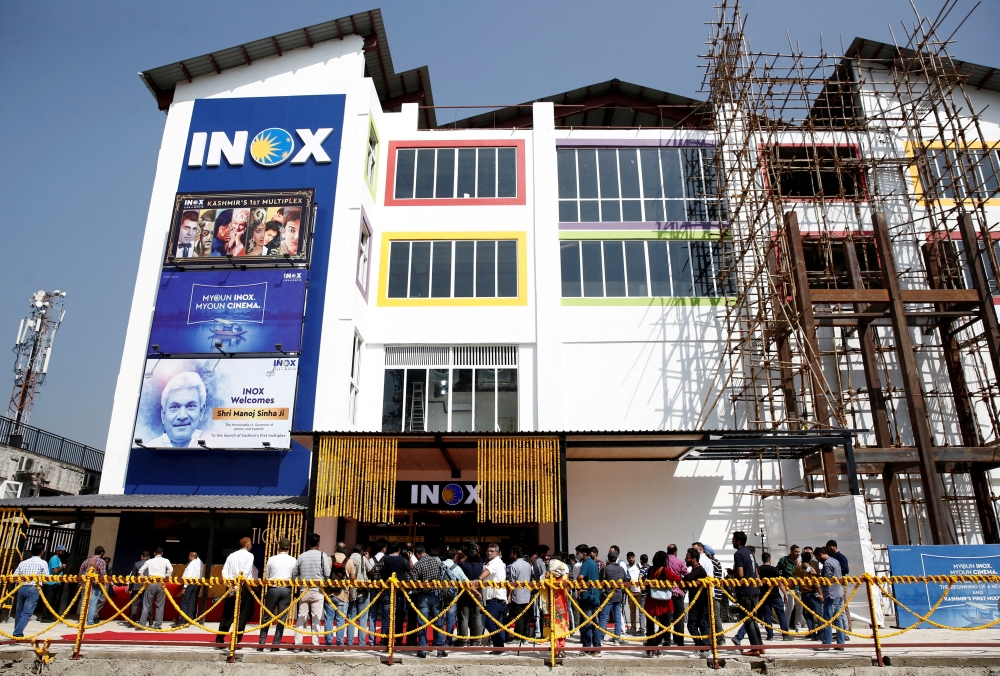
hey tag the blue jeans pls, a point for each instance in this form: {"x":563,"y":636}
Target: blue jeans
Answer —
{"x":353,"y":608}
{"x":331,"y":614}
{"x":95,"y":596}
{"x":830,"y":608}
{"x":612,"y":611}
{"x":27,"y":599}
{"x":429,"y":605}
{"x":450,"y":622}
{"x":773,"y":606}
{"x":496,"y":609}
{"x":589,"y":634}
{"x":816,"y":606}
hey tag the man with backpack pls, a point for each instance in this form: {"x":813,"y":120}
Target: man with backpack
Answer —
{"x":382,"y":596}
{"x":358,"y":598}
{"x":519,"y":571}
{"x":428,"y":569}
{"x":341,"y":569}
{"x":451,"y":573}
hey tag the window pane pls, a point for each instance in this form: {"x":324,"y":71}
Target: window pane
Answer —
{"x":464,"y":257}
{"x":628,"y":160}
{"x":569,"y":255}
{"x":461,"y":401}
{"x":611,"y":210}
{"x":392,"y":401}
{"x":467,"y":172}
{"x":587,"y":162}
{"x":654,"y":210}
{"x":441,"y":279}
{"x":566,"y":162}
{"x":589,"y":212}
{"x":507,"y":269}
{"x":507,"y":400}
{"x":425,"y":173}
{"x":721,"y":259}
{"x":673,"y":184}
{"x":651,"y":184}
{"x":405,"y":161}
{"x":680,"y":268}
{"x":506,"y":172}
{"x":593,"y":270}
{"x":399,"y":269}
{"x":567,"y":212}
{"x":675,"y":210}
{"x":631,"y":210}
{"x":420,"y":270}
{"x":485,"y":402}
{"x":437,"y":401}
{"x":659,"y":269}
{"x":991,"y":172}
{"x":445,"y":173}
{"x":614,"y":270}
{"x":487,"y":180}
{"x":695,"y":210}
{"x":693,"y":187}
{"x":609,"y":172}
{"x":486,"y":273}
{"x":635,"y":268}
{"x":415,"y":404}
{"x":701,"y":258}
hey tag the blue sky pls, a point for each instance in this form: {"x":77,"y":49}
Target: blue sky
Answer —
{"x":85,"y":131}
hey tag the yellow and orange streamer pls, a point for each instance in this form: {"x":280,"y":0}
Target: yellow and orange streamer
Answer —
{"x":279,"y":525}
{"x":357,"y":478}
{"x":519,"y":480}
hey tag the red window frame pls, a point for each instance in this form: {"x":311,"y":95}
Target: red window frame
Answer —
{"x":390,"y":177}
{"x":761,"y":148}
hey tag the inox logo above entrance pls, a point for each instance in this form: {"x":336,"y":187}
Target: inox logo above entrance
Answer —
{"x":269,"y":147}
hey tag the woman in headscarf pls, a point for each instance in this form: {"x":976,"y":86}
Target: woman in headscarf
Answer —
{"x":659,"y":603}
{"x":557,"y":614}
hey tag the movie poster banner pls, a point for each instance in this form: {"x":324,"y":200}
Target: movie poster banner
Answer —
{"x":217,"y":404}
{"x":246,"y":228}
{"x":967,"y":604}
{"x":229,"y":311}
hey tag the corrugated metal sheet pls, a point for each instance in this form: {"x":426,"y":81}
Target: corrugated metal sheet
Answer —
{"x":164,"y":502}
{"x":979,"y":76}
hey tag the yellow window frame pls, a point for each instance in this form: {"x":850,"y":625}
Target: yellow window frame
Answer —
{"x":918,"y":188}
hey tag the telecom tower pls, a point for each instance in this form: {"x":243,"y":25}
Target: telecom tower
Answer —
{"x":33,"y":349}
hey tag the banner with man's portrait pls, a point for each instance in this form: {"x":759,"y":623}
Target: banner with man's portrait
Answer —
{"x":246,"y":228}
{"x":225,"y":403}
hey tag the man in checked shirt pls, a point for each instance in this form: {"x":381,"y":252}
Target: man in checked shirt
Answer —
{"x":27,"y":593}
{"x":97,"y":564}
{"x":428,"y":569}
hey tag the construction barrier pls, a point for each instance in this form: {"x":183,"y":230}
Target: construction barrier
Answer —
{"x":549,"y":592}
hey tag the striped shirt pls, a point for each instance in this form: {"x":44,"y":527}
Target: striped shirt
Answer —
{"x":312,"y":565}
{"x":33,"y":566}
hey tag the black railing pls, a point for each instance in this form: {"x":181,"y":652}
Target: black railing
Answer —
{"x":38,"y":441}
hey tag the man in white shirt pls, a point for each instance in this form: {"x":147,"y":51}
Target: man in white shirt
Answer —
{"x":495,"y":598}
{"x":238,"y":563}
{"x":634,"y":572}
{"x":281,"y":566}
{"x":155,"y":567}
{"x":189,"y":601}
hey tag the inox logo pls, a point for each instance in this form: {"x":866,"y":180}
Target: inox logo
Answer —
{"x":268,"y":148}
{"x":285,"y":362}
{"x":292,"y":277}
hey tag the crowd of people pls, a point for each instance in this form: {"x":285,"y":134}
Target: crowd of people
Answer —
{"x":501,"y":612}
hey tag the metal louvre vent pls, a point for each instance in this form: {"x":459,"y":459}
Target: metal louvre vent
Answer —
{"x":464,"y":355}
{"x":486,"y":355}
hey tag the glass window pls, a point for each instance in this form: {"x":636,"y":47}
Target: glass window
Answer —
{"x":614,"y":269}
{"x":593,"y":269}
{"x":507,"y":269}
{"x":659,"y":269}
{"x":441,"y":278}
{"x":445,"y":188}
{"x":364,"y":246}
{"x":485,"y":404}
{"x":461,"y":401}
{"x":399,"y":269}
{"x":465,"y":252}
{"x":487,"y":179}
{"x":569,"y":254}
{"x":437,"y":400}
{"x":680,"y":268}
{"x":467,"y":172}
{"x":507,"y":400}
{"x":566,"y":160}
{"x":406,"y":160}
{"x":701,"y":259}
{"x":635,"y":268}
{"x":486,"y":274}
{"x":372,"y":157}
{"x":587,"y":164}
{"x":506,"y":172}
{"x":415,"y":402}
{"x":425,"y":173}
{"x":420,"y":270}
{"x":392,"y":401}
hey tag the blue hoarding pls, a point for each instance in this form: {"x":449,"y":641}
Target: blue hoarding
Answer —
{"x":243,"y":311}
{"x":967,"y":604}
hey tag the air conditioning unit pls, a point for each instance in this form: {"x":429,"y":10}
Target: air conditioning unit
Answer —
{"x":25,"y":464}
{"x":10,"y":489}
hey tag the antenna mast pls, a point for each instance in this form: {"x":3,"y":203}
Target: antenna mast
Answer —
{"x":33,"y":349}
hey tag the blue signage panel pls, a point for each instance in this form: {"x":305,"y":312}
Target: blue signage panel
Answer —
{"x":240,"y":311}
{"x":967,"y":604}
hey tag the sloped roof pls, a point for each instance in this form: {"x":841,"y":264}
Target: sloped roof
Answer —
{"x":978,"y":76}
{"x":394,"y":89}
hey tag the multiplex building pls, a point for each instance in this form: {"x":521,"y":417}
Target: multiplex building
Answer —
{"x":516,"y":325}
